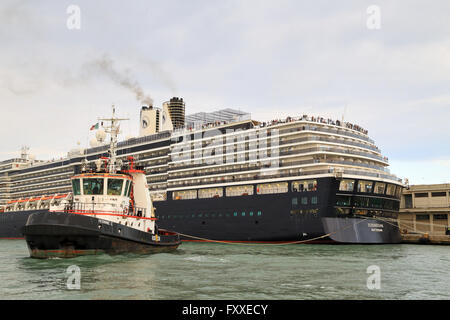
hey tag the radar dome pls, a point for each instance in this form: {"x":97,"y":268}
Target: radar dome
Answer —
{"x":93,"y":142}
{"x":100,"y":135}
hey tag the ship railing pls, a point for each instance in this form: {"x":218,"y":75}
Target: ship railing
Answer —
{"x":260,"y":164}
{"x":338,"y":125}
{"x":132,"y":141}
{"x":13,"y":160}
{"x":292,"y":172}
{"x":335,"y":150}
{"x":98,"y":208}
{"x":373,"y":148}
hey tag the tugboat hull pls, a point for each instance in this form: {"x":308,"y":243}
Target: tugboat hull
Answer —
{"x":66,"y":235}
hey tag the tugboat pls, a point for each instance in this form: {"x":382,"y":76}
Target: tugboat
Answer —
{"x":109,"y":211}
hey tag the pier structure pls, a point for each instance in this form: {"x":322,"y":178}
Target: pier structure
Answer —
{"x":424,"y":214}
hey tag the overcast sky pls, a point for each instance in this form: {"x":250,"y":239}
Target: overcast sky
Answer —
{"x":269,"y":58}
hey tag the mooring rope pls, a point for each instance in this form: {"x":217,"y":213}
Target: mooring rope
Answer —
{"x":273,"y":244}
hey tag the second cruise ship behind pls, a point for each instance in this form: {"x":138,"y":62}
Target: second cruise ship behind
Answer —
{"x":222,"y":176}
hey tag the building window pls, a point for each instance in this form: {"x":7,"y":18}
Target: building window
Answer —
{"x":422,"y":217}
{"x":294,"y":201}
{"x":304,"y":200}
{"x":440,"y":217}
{"x":421,"y":195}
{"x":347,"y":185}
{"x":314,"y":200}
{"x":408,"y":201}
{"x":439,"y":194}
{"x":259,"y":213}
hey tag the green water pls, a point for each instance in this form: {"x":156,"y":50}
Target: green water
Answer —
{"x":222,"y":271}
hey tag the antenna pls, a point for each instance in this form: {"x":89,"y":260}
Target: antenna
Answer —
{"x":24,"y":152}
{"x":114,"y":130}
{"x":343,"y":114}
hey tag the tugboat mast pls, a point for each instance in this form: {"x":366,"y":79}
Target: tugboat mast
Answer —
{"x":113,"y":130}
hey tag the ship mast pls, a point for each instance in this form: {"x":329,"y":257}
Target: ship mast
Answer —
{"x":113,"y":130}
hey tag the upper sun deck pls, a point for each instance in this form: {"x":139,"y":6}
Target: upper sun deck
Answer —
{"x":334,"y":126}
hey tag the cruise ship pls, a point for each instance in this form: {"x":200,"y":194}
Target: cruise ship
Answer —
{"x":222,"y":176}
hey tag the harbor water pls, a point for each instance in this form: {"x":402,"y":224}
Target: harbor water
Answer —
{"x":233,"y":272}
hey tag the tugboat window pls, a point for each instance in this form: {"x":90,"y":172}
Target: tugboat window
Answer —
{"x":115,"y":187}
{"x":127,"y":185}
{"x":93,"y":186}
{"x":76,"y":187}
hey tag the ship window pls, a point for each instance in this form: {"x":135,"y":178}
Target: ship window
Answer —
{"x":76,"y":187}
{"x":276,"y":187}
{"x":239,"y":191}
{"x":380,"y":187}
{"x":93,"y":186}
{"x":376,"y":203}
{"x":361,"y":202}
{"x":342,"y":201}
{"x":185,"y":195}
{"x":398,"y":191}
{"x":115,"y":187}
{"x":347,"y":185}
{"x":390,"y":191}
{"x":304,"y":185}
{"x":129,"y":189}
{"x":210,"y":193}
{"x":365,"y":186}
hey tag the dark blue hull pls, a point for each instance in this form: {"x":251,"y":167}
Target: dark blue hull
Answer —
{"x":290,"y":216}
{"x":11,"y":223}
